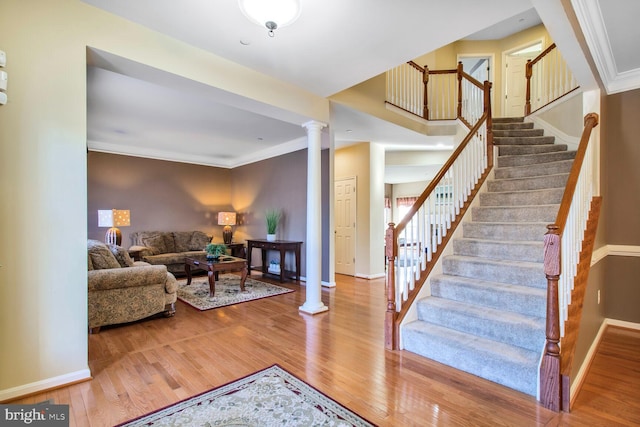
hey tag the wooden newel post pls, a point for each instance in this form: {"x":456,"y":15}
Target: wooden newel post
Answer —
{"x":391,"y":250}
{"x":487,"y":109}
{"x":550,"y":381}
{"x":528,"y":74}
{"x":425,"y":102}
{"x":459,"y":73}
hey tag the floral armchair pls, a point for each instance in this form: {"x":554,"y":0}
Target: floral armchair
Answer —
{"x":121,"y":290}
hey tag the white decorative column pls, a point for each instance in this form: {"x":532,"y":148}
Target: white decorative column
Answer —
{"x":313,"y":245}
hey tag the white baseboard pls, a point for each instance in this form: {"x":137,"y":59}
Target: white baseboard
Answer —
{"x":328,"y":284}
{"x":46,"y":384}
{"x":370,"y":276}
{"x":582,"y":372}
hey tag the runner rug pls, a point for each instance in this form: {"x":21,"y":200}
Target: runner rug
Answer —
{"x":271,"y":397}
{"x":227,"y":291}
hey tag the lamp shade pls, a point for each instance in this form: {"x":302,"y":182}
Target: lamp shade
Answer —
{"x":114,"y":218}
{"x":281,"y":12}
{"x":226,"y":218}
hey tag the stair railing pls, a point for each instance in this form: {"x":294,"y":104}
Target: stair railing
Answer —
{"x":414,"y":246}
{"x":431,"y":94}
{"x":562,"y":248}
{"x":548,"y":79}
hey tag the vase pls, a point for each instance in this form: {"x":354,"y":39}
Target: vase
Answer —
{"x":271,"y":237}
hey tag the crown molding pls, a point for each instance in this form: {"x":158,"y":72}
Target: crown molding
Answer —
{"x":592,"y":23}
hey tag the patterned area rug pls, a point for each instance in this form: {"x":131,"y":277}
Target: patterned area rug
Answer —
{"x":227,"y":291}
{"x":271,"y":397}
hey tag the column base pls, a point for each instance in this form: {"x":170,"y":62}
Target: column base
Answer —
{"x":309,"y":309}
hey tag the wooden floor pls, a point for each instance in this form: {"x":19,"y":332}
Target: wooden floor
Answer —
{"x":140,"y":367}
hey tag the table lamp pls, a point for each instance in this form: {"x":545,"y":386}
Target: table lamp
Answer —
{"x":227,"y":219}
{"x":113,"y":218}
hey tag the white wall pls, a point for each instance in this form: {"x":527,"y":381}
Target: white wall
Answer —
{"x":43,"y":285}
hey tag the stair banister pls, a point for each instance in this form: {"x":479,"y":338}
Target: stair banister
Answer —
{"x":548,"y":79}
{"x":560,"y":261}
{"x":464,"y":172}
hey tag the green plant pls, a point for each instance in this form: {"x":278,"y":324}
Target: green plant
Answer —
{"x":216,"y":249}
{"x":272,"y":217}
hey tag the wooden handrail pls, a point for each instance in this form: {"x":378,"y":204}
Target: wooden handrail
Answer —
{"x":590,"y":122}
{"x":550,"y":375}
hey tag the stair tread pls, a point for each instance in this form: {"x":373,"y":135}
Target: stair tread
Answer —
{"x":498,"y":350}
{"x":503,"y":242}
{"x":481,"y":312}
{"x":482,"y":260}
{"x":491,"y":285}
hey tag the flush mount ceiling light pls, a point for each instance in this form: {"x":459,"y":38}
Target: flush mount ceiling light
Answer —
{"x":271,"y":13}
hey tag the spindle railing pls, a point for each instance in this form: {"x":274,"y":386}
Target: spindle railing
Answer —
{"x":434,"y":94}
{"x":548,"y":79}
{"x":562,"y":248}
{"x":416,"y":243}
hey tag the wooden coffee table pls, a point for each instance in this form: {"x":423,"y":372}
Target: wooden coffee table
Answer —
{"x":223,"y":264}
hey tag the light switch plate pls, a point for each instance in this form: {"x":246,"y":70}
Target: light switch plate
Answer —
{"x":3,"y":98}
{"x":3,"y":80}
{"x":3,"y":58}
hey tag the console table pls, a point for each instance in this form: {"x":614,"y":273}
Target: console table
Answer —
{"x":282,"y":246}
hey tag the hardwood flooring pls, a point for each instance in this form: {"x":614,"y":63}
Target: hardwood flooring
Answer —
{"x":143,"y":366}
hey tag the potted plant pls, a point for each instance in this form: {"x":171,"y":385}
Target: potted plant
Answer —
{"x":272,"y":217}
{"x":214,"y":250}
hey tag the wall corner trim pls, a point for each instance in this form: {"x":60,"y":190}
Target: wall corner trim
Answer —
{"x":46,"y":384}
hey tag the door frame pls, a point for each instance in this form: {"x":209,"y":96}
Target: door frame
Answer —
{"x":492,"y":69}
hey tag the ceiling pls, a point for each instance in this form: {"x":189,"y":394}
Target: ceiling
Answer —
{"x":331,"y":47}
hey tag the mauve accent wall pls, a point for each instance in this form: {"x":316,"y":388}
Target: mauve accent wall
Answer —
{"x":163,"y":195}
{"x":621,"y":157}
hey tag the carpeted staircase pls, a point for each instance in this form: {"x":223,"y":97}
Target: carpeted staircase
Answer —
{"x":486,"y":315}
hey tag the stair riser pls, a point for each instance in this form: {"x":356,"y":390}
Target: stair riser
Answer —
{"x":532,"y":159}
{"x":508,"y":120}
{"x":515,"y":214}
{"x":527,"y":275}
{"x":517,"y":150}
{"x":510,"y":126}
{"x":534,"y":183}
{"x":508,"y":251}
{"x":534,"y":170}
{"x":514,"y":231}
{"x":520,"y":299}
{"x":521,"y":140}
{"x":519,"y":335}
{"x":526,"y":133}
{"x":502,"y":371}
{"x":522,"y":198}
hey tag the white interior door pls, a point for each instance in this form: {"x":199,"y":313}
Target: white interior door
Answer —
{"x":516,"y":86}
{"x":345,"y":222}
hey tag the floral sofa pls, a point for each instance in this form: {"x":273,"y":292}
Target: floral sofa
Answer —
{"x":121,"y":290}
{"x":169,"y":248}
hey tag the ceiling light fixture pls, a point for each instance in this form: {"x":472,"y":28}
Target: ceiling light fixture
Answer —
{"x":271,"y":13}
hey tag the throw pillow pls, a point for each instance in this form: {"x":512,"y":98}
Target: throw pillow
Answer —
{"x":198,"y":241}
{"x":181,"y":240}
{"x":101,"y":256}
{"x":122,"y":256}
{"x":155,"y":243}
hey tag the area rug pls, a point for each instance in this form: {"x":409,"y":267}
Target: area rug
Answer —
{"x":227,"y":291}
{"x":271,"y":397}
